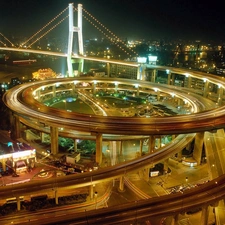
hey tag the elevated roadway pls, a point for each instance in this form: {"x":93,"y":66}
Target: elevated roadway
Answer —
{"x":74,"y":56}
{"x":162,"y":206}
{"x":91,"y":178}
{"x":21,"y":102}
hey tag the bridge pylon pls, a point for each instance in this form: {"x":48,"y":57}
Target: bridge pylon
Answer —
{"x":73,"y":29}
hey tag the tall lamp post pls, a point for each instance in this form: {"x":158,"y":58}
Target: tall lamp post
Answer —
{"x":65,"y":103}
{"x":96,"y":195}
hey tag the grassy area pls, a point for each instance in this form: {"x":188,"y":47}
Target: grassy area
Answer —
{"x":77,"y":106}
{"x":118,"y":102}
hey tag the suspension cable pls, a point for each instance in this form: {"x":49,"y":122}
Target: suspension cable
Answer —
{"x":6,"y":39}
{"x":117,"y":39}
{"x":44,"y":28}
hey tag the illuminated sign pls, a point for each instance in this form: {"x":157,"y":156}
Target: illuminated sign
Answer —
{"x":152,"y":58}
{"x":28,"y":153}
{"x":23,"y":154}
{"x":141,"y":59}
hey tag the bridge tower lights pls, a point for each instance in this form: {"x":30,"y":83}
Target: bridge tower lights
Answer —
{"x":73,"y":29}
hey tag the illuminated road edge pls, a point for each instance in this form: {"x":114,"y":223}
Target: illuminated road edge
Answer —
{"x":207,"y":120}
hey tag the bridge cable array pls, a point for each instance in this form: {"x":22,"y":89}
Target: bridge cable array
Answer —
{"x":110,"y":35}
{"x":103,"y":29}
{"x":6,"y":40}
{"x":37,"y":39}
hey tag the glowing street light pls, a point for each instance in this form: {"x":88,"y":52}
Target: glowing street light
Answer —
{"x":96,"y":195}
{"x":65,"y":103}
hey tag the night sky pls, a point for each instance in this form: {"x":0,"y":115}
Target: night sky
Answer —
{"x":132,"y":19}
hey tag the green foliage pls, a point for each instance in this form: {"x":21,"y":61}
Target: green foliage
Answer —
{"x":66,"y":143}
{"x":87,"y":145}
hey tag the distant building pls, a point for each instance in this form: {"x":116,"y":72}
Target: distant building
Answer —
{"x":15,"y":81}
{"x":3,"y":88}
{"x":220,"y":71}
{"x":152,"y":60}
{"x":73,"y":159}
{"x":15,"y":156}
{"x":43,"y":74}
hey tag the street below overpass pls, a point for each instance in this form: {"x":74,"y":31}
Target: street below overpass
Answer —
{"x":139,"y":210}
{"x":216,"y":118}
{"x":151,"y":188}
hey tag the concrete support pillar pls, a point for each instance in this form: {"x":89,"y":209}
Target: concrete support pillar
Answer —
{"x":206,"y":89}
{"x":42,"y":136}
{"x":94,"y":87}
{"x":179,"y":156}
{"x":18,"y":203}
{"x":54,"y":140}
{"x":116,"y":70}
{"x":153,"y":77}
{"x":169,"y":78}
{"x":121,"y":147}
{"x":143,"y":72}
{"x":189,"y":79}
{"x":98,"y":158}
{"x":173,"y":99}
{"x":75,"y":145}
{"x":205,"y":215}
{"x":38,"y":94}
{"x":114,"y":152}
{"x":53,"y":91}
{"x":146,"y":173}
{"x":179,"y":102}
{"x":188,"y":147}
{"x":175,"y":220}
{"x":27,"y":135}
{"x":141,"y":147}
{"x":172,"y":79}
{"x":198,"y":145}
{"x":74,"y":87}
{"x":121,"y":186}
{"x":81,"y":66}
{"x":56,"y":197}
{"x":108,"y":69}
{"x":16,"y":127}
{"x":165,"y":165}
{"x":91,"y":191}
{"x":158,"y":142}
{"x":151,"y":144}
{"x":3,"y":165}
{"x":158,"y":95}
{"x":220,"y":95}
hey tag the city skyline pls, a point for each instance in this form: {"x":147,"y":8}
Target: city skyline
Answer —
{"x":143,"y":19}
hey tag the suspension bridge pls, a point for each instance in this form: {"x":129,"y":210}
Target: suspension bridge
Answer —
{"x":26,"y":46}
{"x":31,"y":44}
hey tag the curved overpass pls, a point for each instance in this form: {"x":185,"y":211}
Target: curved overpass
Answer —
{"x":202,"y":121}
{"x":90,"y":178}
{"x":163,"y":206}
{"x":20,"y":100}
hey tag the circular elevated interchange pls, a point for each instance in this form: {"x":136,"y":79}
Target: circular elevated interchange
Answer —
{"x":22,"y":102}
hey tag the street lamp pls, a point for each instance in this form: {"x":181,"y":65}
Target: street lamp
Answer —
{"x":108,"y":157}
{"x":96,"y":195}
{"x":65,"y":103}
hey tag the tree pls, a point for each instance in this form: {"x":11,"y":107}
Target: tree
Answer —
{"x":87,"y":145}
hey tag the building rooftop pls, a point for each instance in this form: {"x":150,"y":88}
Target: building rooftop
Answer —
{"x":7,"y":145}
